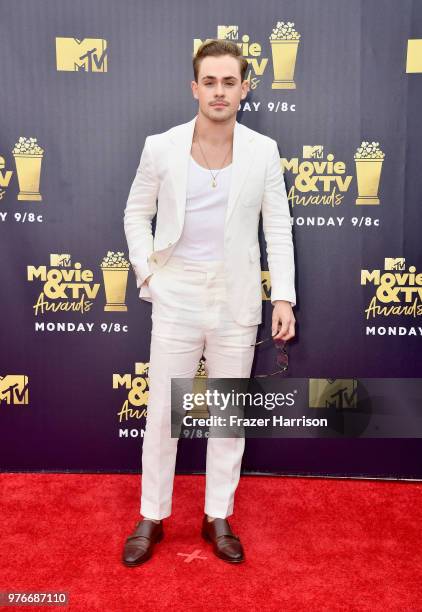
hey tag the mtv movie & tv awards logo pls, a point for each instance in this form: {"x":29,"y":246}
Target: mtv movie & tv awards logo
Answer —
{"x":71,"y":287}
{"x":396,"y":292}
{"x":320,"y":181}
{"x":132,"y":411}
{"x":282,"y":47}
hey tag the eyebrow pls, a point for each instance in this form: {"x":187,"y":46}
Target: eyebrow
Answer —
{"x":210,"y":76}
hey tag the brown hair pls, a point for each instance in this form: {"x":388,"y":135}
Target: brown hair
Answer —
{"x":216,"y":47}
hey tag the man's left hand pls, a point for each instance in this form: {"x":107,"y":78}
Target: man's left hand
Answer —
{"x":283,"y":321}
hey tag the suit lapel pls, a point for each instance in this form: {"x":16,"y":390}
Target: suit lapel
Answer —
{"x":181,"y":143}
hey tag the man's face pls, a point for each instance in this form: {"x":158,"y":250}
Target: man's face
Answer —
{"x":219,"y":88}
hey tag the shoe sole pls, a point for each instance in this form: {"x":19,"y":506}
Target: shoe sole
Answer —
{"x":208,"y":539}
{"x":144,"y":559}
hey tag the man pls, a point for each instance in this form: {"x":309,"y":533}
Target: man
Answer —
{"x":202,"y":273}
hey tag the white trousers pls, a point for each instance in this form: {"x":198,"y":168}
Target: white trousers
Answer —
{"x":190,"y":318}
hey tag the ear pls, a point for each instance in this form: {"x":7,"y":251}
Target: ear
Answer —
{"x":245,"y":89}
{"x":194,"y":87}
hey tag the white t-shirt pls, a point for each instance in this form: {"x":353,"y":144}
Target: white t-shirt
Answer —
{"x":202,"y":237}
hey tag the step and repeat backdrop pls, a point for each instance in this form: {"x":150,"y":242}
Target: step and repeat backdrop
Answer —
{"x":338,"y":84}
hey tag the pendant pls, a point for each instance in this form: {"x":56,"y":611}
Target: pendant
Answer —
{"x":214,"y":184}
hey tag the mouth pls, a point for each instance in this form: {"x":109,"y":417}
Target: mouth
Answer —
{"x":219,"y":105}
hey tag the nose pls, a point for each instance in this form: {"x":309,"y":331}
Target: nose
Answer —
{"x":220,"y":89}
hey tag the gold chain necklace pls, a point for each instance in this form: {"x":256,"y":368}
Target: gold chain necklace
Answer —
{"x":213,"y":184}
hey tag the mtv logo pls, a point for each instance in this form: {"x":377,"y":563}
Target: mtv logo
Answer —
{"x":312,"y":152}
{"x":266,"y":284}
{"x":85,"y":55}
{"x":394,"y":263}
{"x":60,"y":260}
{"x":336,"y":393}
{"x":14,"y":389}
{"x":141,"y":368}
{"x":228,"y":32}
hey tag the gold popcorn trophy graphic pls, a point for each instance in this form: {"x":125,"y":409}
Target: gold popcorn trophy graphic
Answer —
{"x":284,"y":41}
{"x":200,"y":386}
{"x":265,"y":284}
{"x":28,"y":157}
{"x":115,"y":273}
{"x":368,"y":160}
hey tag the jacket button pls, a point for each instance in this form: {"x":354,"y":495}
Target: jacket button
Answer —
{"x":170,"y":243}
{"x":154,"y":259}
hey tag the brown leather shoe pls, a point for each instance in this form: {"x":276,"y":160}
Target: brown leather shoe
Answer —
{"x":140,"y":545}
{"x":226,"y":545}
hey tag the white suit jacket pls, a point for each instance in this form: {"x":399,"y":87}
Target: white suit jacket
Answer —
{"x":257,"y":185}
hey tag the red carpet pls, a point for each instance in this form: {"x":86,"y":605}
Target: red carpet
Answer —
{"x":310,"y":544}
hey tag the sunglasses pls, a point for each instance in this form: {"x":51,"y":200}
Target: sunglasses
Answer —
{"x":282,"y":359}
